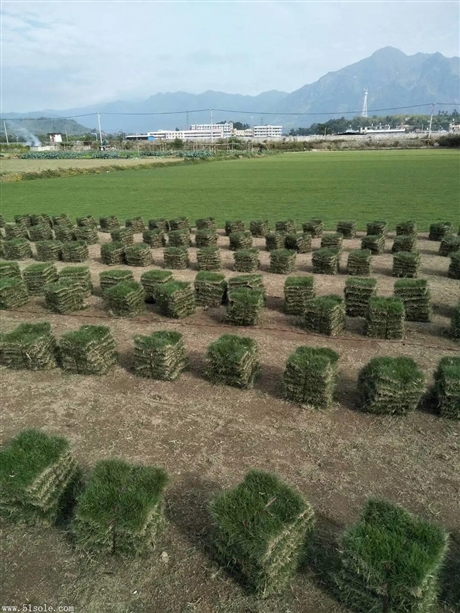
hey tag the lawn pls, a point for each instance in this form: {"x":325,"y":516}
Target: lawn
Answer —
{"x":394,"y":185}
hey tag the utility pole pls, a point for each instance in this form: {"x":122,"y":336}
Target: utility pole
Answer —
{"x":6,"y":132}
{"x":99,"y":124}
{"x":364,"y":111}
{"x":212,"y":139}
{"x":431,"y":119}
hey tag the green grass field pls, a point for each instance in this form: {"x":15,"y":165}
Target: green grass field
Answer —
{"x":394,"y":185}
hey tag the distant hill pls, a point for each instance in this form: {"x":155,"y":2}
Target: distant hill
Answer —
{"x":32,"y":128}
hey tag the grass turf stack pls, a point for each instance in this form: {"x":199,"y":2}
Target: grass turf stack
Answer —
{"x":406,"y":228}
{"x":176,"y":258}
{"x":348,"y":229}
{"x":440,"y":230}
{"x":391,"y":386}
{"x":64,"y":296}
{"x":246,"y":260}
{"x":138,"y":255}
{"x":298,"y":291}
{"x":206,"y":238}
{"x":88,"y":220}
{"x":76,"y":251}
{"x":154,"y":238}
{"x":2,"y":221}
{"x":210,"y":289}
{"x":17,"y":249}
{"x":358,"y":292}
{"x":299,"y":242}
{"x":234,"y":226}
{"x":286,"y":225}
{"x":113,"y":254}
{"x":314,"y":227}
{"x":310,"y":376}
{"x":261,"y":528}
{"x":65,"y":234}
{"x":136,"y":224}
{"x":282,"y":261}
{"x":447,"y":387}
{"x":416,"y":296}
{"x":325,"y":315}
{"x":275,"y":240}
{"x":90,"y":350}
{"x":449,"y":244}
{"x":123,"y":235}
{"x":404,"y":242}
{"x":179,"y":223}
{"x":454,"y":266}
{"x":180,"y":238}
{"x":176,"y":299}
{"x":109,"y":278}
{"x":259,"y":227}
{"x":161,"y":356}
{"x":88,"y":234}
{"x":390,"y":561}
{"x":109,"y":224}
{"x":455,"y":324}
{"x":48,"y":251}
{"x":29,"y":346}
{"x":36,"y":276}
{"x":15,"y":230}
{"x":240,"y":240}
{"x":332,"y":240}
{"x":159,"y":223}
{"x":359,"y":262}
{"x":254,"y":281}
{"x":245,"y":306}
{"x":126,"y":299}
{"x":38,"y":478}
{"x":206,"y":223}
{"x":377,"y":227}
{"x":385,"y":318}
{"x":80,"y":276}
{"x":10,"y":269}
{"x":25,"y":220}
{"x":13,"y":293}
{"x":233,"y":360}
{"x":406,"y":264}
{"x":62,"y":220}
{"x":152,"y":280}
{"x":41,"y":232}
{"x":121,"y":511}
{"x":375,"y":243}
{"x":209,"y":258}
{"x":326,"y":261}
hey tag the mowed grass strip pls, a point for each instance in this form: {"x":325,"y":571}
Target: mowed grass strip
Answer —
{"x":393,"y":185}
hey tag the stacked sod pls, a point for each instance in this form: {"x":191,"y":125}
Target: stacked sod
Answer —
{"x":210,"y":289}
{"x":62,"y":220}
{"x":13,"y":293}
{"x":37,"y":276}
{"x":332,"y":240}
{"x":45,"y":478}
{"x":138,"y":255}
{"x":234,"y":226}
{"x":261,"y":527}
{"x":23,"y":219}
{"x":79,"y":276}
{"x":109,"y":224}
{"x":375,"y":243}
{"x":358,"y":292}
{"x":246,"y":260}
{"x":385,"y":318}
{"x":206,"y":238}
{"x":48,"y":251}
{"x":259,"y":227}
{"x":90,"y":350}
{"x":326,"y":261}
{"x":43,"y":218}
{"x":154,"y":238}
{"x":176,"y":258}
{"x":88,"y":220}
{"x":209,"y":258}
{"x":310,"y":376}
{"x":113,"y":254}
{"x":65,"y":234}
{"x":180,"y":238}
{"x":440,"y":230}
{"x":275,"y":240}
{"x":15,"y":230}
{"x":449,"y":244}
{"x":282,"y":261}
{"x":87,"y":234}
{"x":254,"y":281}
{"x":348,"y":229}
{"x":404,"y":242}
{"x":29,"y":346}
{"x":416,"y":296}
{"x":455,"y":324}
{"x":126,"y":299}
{"x":406,"y":264}
{"x":17,"y":249}
{"x":406,"y":228}
{"x":447,"y":387}
{"x":298,"y":291}
{"x":325,"y":315}
{"x":179,"y":223}
{"x":374,"y":228}
{"x":2,"y":221}
{"x":245,"y":306}
{"x":151,"y":280}
{"x":10,"y":269}
{"x":286,"y":225}
{"x":159,"y":223}
{"x":136,"y":224}
{"x":123,"y":235}
{"x":75,"y":251}
{"x":64,"y":296}
{"x":121,"y":510}
{"x":299,"y":242}
{"x":390,"y":386}
{"x":390,"y":561}
{"x":454,"y":266}
{"x":240,"y":240}
{"x":109,"y":278}
{"x":233,"y":360}
{"x":42,"y":232}
{"x":206,"y":223}
{"x":359,"y":262}
{"x":314,"y":227}
{"x":162,"y":355}
{"x":176,"y":299}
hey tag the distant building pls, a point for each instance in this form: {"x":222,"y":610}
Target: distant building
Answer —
{"x":267,"y":131}
{"x":454,"y":127}
{"x":55,"y":137}
{"x":205,"y":131}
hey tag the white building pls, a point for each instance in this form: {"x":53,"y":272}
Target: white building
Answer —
{"x":267,"y":131}
{"x":204,"y":131}
{"x":225,"y":129}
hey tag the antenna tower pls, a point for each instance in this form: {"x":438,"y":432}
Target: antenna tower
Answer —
{"x":364,"y":113}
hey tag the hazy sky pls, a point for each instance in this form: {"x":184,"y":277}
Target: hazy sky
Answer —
{"x":67,"y":54}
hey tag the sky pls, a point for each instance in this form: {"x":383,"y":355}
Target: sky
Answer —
{"x":70,"y":54}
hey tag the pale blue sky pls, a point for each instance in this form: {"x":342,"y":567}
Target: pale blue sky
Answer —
{"x":68,"y":54}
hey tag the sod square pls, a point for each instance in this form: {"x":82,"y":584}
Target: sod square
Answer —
{"x":176,"y":258}
{"x":234,"y":226}
{"x":348,"y":229}
{"x":314,"y":227}
{"x":159,"y":223}
{"x":151,"y":280}
{"x":154,"y":238}
{"x":406,"y":228}
{"x":261,"y":528}
{"x":64,"y":234}
{"x":259,"y":227}
{"x":87,"y":234}
{"x":108,"y":224}
{"x":416,"y":296}
{"x":233,"y":360}
{"x":377,"y":227}
{"x":90,"y":350}
{"x":113,"y":254}
{"x":206,"y":238}
{"x":36,"y":220}
{"x":2,"y":221}
{"x":298,"y":291}
{"x":176,"y":299}
{"x":454,"y":266}
{"x":404,"y":242}
{"x":246,"y":260}
{"x":29,"y":347}
{"x":391,"y":386}
{"x":126,"y":299}
{"x":65,"y":296}
{"x":121,"y":511}
{"x":75,"y":251}
{"x":161,"y":356}
{"x":358,"y":292}
{"x":385,"y":318}
{"x":326,"y":261}
{"x":13,"y":293}
{"x":42,"y":232}
{"x":206,"y":223}
{"x":245,"y":306}
{"x":36,"y":276}
{"x":298,"y":242}
{"x":17,"y":249}
{"x":136,"y":223}
{"x":406,"y":264}
{"x":139,"y":254}
{"x":325,"y":315}
{"x":375,"y":243}
{"x":254,"y":281}
{"x":285,"y":225}
{"x":80,"y":276}
{"x":48,"y":251}
{"x":109,"y":278}
{"x":455,"y":324}
{"x":88,"y":220}
{"x":62,"y":220}
{"x":447,"y":387}
{"x":332,"y":240}
{"x":210,"y":289}
{"x":10,"y":269}
{"x":310,"y":376}
{"x":38,"y":478}
{"x":180,"y":238}
{"x":359,"y":262}
{"x":179,"y":223}
{"x":449,"y":244}
{"x":23,"y":219}
{"x":440,"y":230}
{"x":15,"y":230}
{"x":209,"y":258}
{"x":275,"y":240}
{"x":282,"y":261}
{"x":240,"y":240}
{"x":123,"y":235}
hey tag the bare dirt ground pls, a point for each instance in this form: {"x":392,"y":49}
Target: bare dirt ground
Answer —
{"x":207,"y":437}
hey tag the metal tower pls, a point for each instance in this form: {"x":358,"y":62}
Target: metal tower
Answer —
{"x":364,"y":113}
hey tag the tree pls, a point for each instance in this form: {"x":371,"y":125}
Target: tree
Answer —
{"x":178,"y":143}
